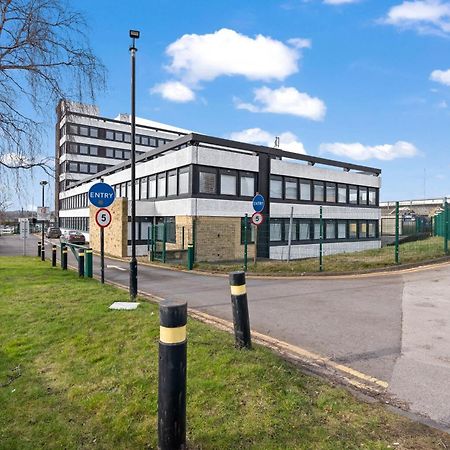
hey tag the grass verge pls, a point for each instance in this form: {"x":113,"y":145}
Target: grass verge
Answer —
{"x":410,"y":252}
{"x":75,"y":375}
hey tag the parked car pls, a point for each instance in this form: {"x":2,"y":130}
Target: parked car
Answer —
{"x":53,"y":232}
{"x":73,"y":237}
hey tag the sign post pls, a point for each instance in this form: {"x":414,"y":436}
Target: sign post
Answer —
{"x":103,"y":219}
{"x":258,"y":204}
{"x":102,"y":195}
{"x":24,"y":233}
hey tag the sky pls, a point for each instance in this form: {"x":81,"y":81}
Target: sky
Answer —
{"x":366,"y":81}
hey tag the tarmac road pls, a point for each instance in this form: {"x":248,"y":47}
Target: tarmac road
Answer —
{"x":395,"y":327}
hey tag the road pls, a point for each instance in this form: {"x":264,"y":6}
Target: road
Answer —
{"x":394,"y":327}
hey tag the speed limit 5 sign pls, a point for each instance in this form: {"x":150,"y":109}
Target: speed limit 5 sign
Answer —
{"x":257,"y":219}
{"x":103,"y":217}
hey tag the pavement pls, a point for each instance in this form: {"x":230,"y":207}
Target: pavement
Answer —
{"x":393,"y":327}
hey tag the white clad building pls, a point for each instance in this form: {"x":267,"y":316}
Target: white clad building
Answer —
{"x":201,"y":187}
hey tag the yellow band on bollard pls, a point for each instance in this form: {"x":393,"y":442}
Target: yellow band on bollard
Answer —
{"x":65,"y":250}
{"x":81,"y":254}
{"x":88,"y":251}
{"x":239,"y":290}
{"x":172,"y":335}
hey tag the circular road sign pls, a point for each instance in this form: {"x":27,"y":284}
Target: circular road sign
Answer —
{"x":258,"y":203}
{"x":103,"y":217}
{"x":257,"y":219}
{"x":101,"y":195}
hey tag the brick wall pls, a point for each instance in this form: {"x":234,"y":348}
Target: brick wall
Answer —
{"x":116,"y":233}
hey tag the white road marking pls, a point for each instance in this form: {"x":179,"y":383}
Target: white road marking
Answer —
{"x":116,"y":267}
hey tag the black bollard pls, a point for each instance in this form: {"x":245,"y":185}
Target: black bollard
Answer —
{"x":239,"y":303}
{"x":43,"y":251}
{"x":172,"y":375}
{"x":39,"y":249}
{"x":81,"y":262}
{"x":64,"y":259}
{"x":54,"y":256}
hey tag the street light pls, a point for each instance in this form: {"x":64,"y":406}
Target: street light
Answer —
{"x":134,"y":34}
{"x":43,"y":183}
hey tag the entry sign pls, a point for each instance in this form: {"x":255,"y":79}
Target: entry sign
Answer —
{"x":257,"y":219}
{"x":101,"y":195}
{"x":103,"y":217}
{"x":258,"y":203}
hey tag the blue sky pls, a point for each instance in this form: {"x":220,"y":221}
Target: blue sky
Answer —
{"x":358,"y":80}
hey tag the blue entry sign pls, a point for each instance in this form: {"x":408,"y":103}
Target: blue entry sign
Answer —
{"x":258,"y":203}
{"x":101,"y":195}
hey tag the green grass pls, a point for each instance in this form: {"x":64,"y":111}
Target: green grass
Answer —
{"x":75,"y":375}
{"x":411,"y":252}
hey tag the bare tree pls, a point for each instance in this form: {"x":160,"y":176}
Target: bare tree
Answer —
{"x":44,"y":56}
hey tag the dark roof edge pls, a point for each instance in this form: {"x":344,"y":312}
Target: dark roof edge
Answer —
{"x":195,"y":139}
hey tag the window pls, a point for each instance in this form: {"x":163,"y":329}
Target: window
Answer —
{"x":93,"y":132}
{"x":93,"y":150}
{"x":275,"y":230}
{"x":227,"y":184}
{"x":362,"y":229}
{"x":84,"y":131}
{"x":207,"y":182}
{"x":183,"y":181}
{"x":126,"y":154}
{"x":372,"y":196}
{"x":144,"y":188}
{"x":330,"y":229}
{"x":290,"y":186}
{"x":304,"y":229}
{"x":110,"y":135}
{"x":372,"y":229}
{"x":161,"y":185}
{"x":170,"y":229}
{"x":316,"y":229}
{"x":73,"y":148}
{"x":84,"y":149}
{"x":73,"y":129}
{"x":342,"y":193}
{"x":83,"y":168}
{"x":119,"y":136}
{"x":247,"y":185}
{"x":331,"y":192}
{"x":276,"y":187}
{"x":363,"y":196}
{"x":342,"y":229}
{"x":127,"y":137}
{"x":293,"y":231}
{"x":152,"y":187}
{"x":353,"y":195}
{"x":144,"y":140}
{"x":172,"y":183}
{"x":110,"y":153}
{"x":250,"y":231}
{"x":353,"y":230}
{"x":118,"y":154}
{"x":129,"y":190}
{"x":153,"y":142}
{"x":319,"y":191}
{"x":92,"y":168}
{"x":305,"y":190}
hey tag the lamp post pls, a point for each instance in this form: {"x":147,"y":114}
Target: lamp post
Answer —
{"x":134,"y":34}
{"x":43,"y":183}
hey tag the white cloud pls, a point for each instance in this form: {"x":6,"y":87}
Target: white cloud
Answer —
{"x":285,"y":100}
{"x":174,"y":91}
{"x":442,"y":104}
{"x":441,"y":76}
{"x":197,"y":58}
{"x":300,"y":42}
{"x":360,"y":152}
{"x":339,"y":2}
{"x":288,"y":140}
{"x":426,"y":16}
